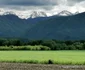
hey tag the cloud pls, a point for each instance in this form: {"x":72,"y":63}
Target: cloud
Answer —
{"x":28,"y":2}
{"x":38,"y":2}
{"x":46,"y":4}
{"x":51,"y":7}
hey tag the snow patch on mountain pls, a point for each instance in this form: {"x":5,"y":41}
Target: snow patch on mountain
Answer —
{"x":65,"y":13}
{"x":8,"y":12}
{"x":34,"y":14}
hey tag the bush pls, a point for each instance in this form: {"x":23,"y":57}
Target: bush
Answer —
{"x":50,"y":62}
{"x":24,"y":48}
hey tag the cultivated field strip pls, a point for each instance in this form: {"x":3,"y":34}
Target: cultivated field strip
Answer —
{"x":25,"y":66}
{"x":44,"y":57}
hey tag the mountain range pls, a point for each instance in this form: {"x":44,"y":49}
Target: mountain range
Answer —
{"x":34,"y":14}
{"x":63,"y":26}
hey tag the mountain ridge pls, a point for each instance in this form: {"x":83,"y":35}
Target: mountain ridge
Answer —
{"x":54,"y":27}
{"x":65,"y":13}
{"x":60,"y":28}
{"x":36,"y":14}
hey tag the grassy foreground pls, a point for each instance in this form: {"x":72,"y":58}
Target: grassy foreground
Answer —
{"x":44,"y":57}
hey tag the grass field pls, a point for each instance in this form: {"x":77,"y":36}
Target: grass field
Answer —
{"x":57,"y":57}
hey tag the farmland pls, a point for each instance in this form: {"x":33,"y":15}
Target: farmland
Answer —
{"x":43,"y":57}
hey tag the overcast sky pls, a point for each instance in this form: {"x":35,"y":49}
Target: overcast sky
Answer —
{"x":46,"y":4}
{"x":27,"y":2}
{"x":50,"y":6}
{"x":38,"y":2}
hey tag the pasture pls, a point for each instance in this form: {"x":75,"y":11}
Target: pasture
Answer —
{"x":43,"y":57}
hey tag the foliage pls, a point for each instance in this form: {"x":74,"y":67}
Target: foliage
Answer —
{"x":39,"y":47}
{"x":19,"y":44}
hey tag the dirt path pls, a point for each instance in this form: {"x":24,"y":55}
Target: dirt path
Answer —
{"x":24,"y":66}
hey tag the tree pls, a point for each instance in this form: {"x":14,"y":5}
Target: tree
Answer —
{"x":51,"y":44}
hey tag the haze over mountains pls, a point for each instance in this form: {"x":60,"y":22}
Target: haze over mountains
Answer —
{"x":62,"y":26}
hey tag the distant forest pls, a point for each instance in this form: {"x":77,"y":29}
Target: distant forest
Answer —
{"x":46,"y":44}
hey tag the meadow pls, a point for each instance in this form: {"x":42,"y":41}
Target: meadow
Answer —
{"x":44,"y":57}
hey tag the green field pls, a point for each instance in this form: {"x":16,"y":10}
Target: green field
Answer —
{"x":57,"y":57}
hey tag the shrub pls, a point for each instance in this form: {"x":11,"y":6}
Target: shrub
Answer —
{"x":50,"y":62}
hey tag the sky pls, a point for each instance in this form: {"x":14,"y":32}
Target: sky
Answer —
{"x":51,"y":7}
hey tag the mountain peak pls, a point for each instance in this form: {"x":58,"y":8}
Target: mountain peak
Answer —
{"x":9,"y":12}
{"x":65,"y":13}
{"x":35,"y":14}
{"x":77,"y":12}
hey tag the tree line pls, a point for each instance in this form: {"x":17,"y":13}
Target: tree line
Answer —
{"x":51,"y":44}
